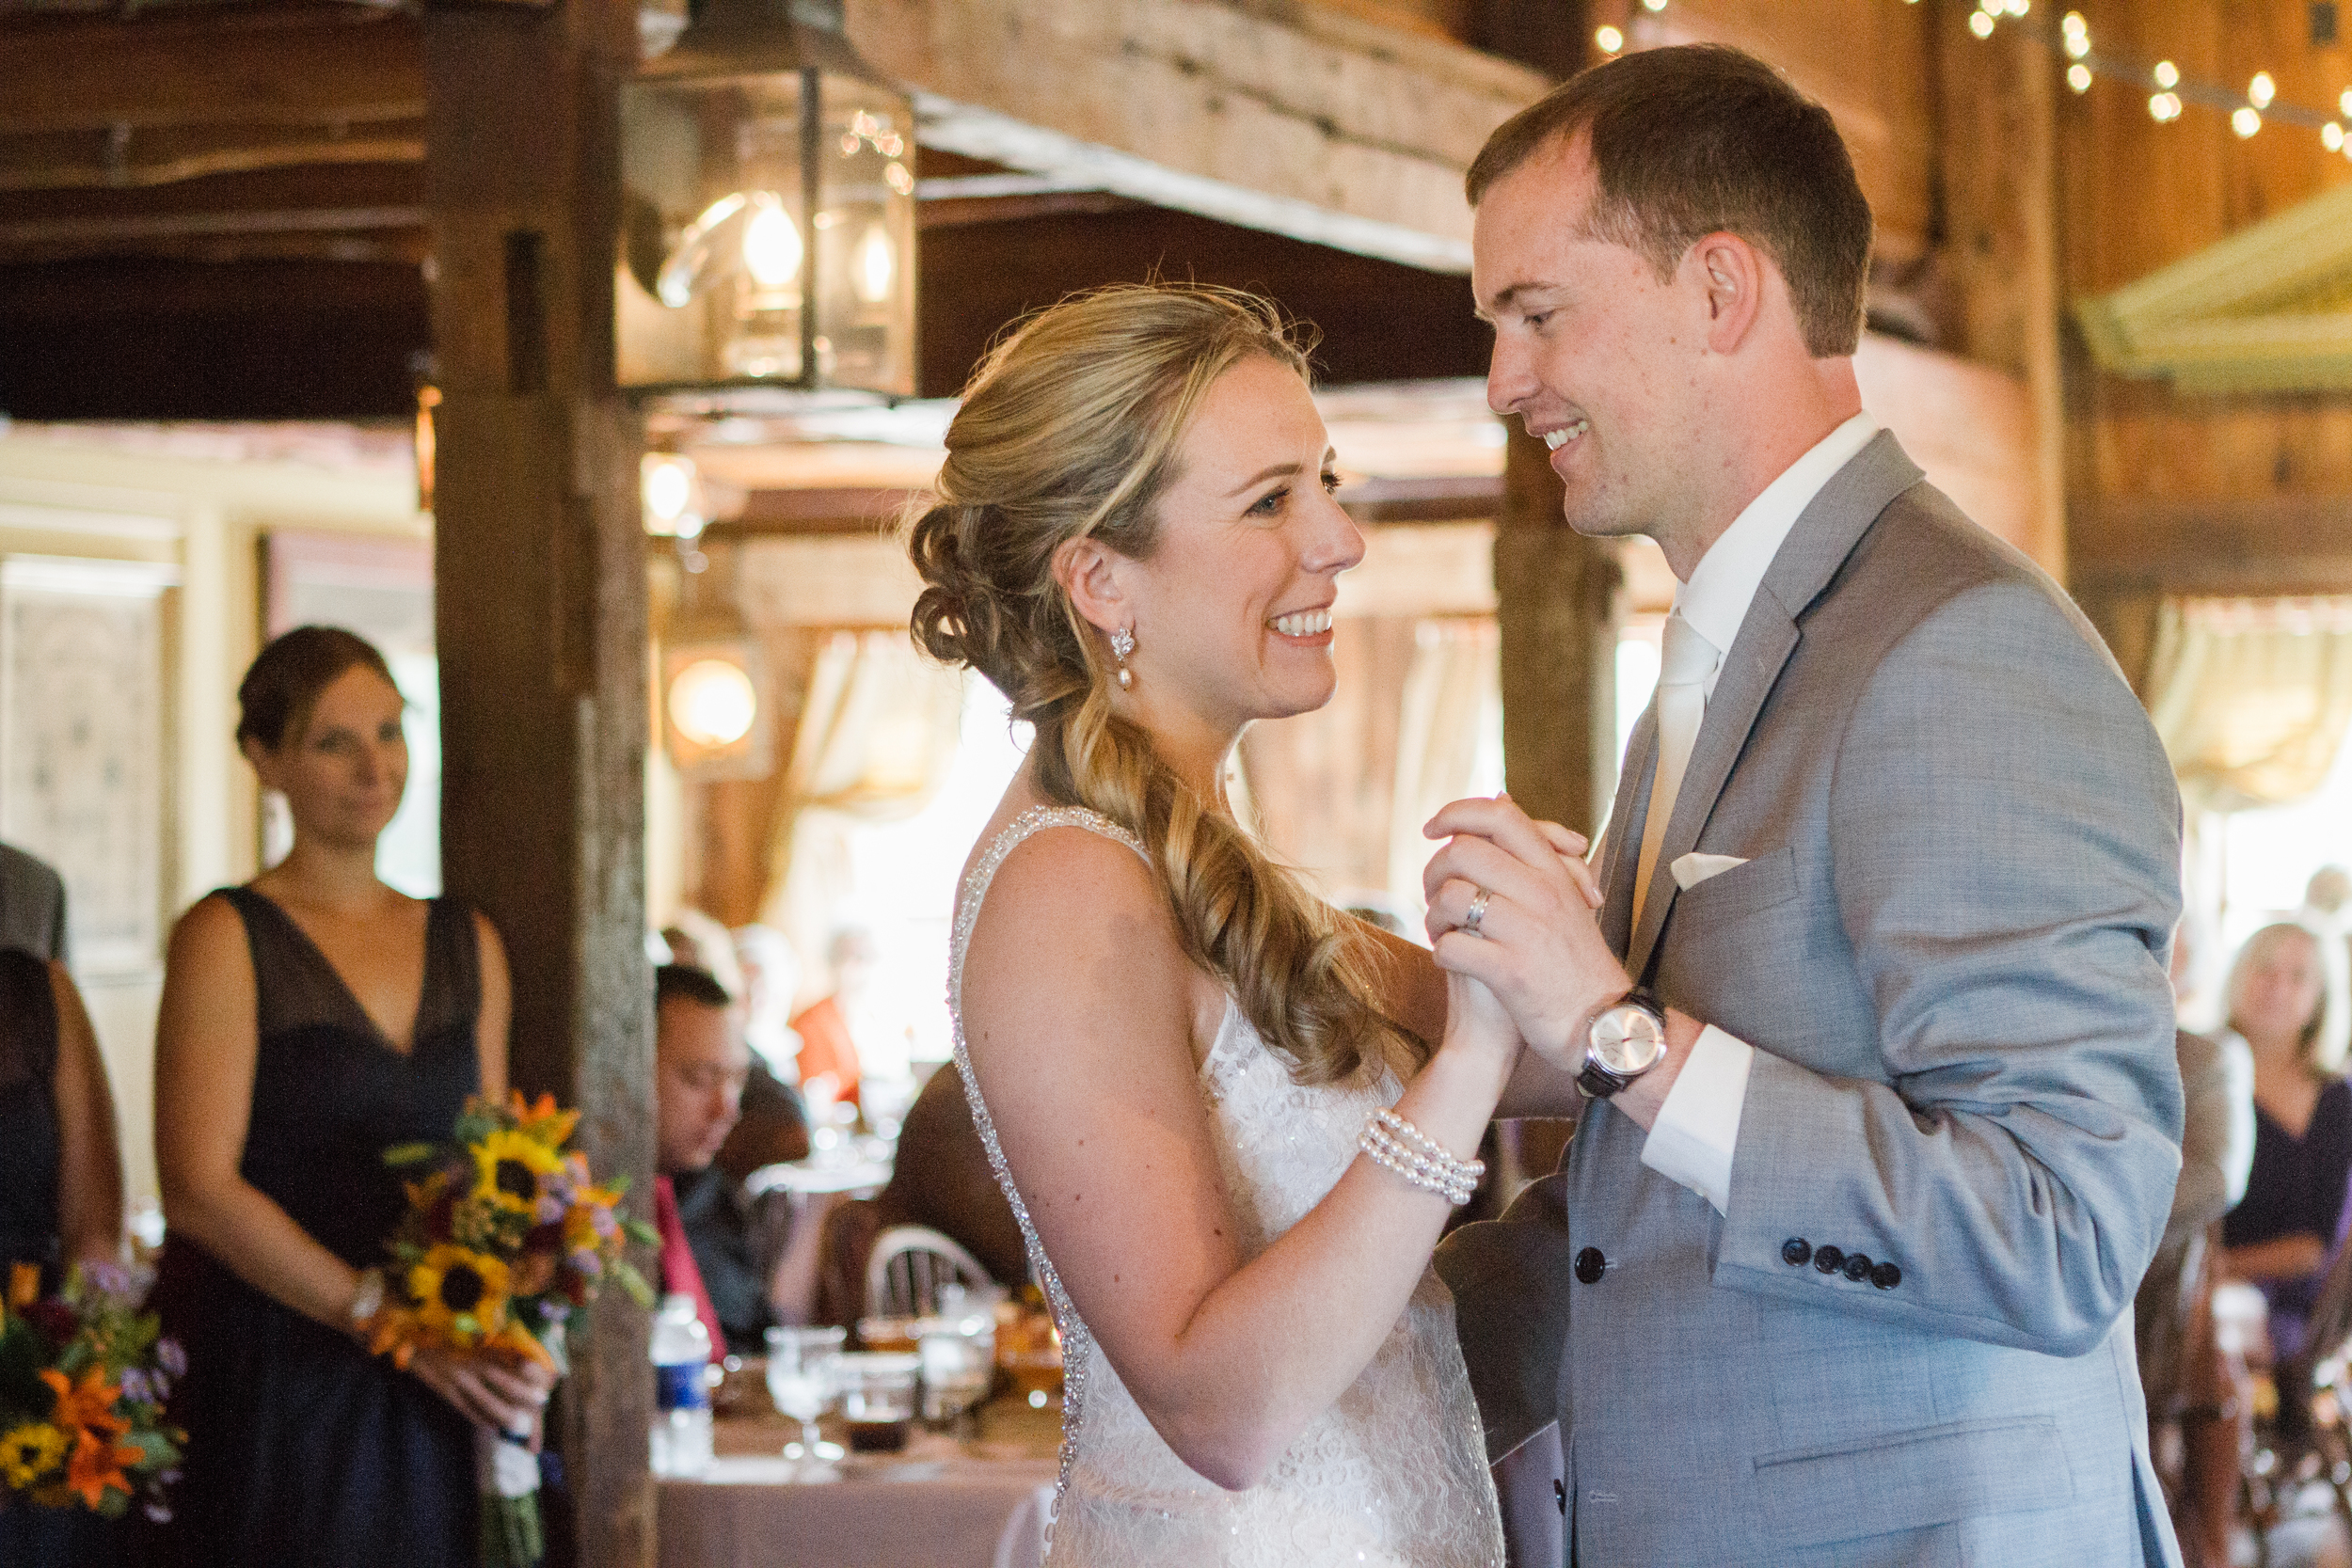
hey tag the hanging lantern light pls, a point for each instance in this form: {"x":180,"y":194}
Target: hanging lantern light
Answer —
{"x":768,"y":222}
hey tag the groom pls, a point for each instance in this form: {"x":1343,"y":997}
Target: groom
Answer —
{"x":1874,"y":1162}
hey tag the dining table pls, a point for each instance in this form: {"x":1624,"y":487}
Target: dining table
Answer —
{"x":979,"y":1500}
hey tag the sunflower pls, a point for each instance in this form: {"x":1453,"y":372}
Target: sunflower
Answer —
{"x":29,"y":1452}
{"x":508,"y":1168}
{"x":459,"y":1294}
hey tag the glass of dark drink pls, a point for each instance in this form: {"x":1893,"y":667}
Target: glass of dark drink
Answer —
{"x":877,"y":1399}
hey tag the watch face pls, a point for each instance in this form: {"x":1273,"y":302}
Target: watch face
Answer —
{"x":1628,"y":1039}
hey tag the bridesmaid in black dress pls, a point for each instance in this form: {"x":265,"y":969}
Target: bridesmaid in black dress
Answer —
{"x":310,"y":1021}
{"x":60,"y":1203}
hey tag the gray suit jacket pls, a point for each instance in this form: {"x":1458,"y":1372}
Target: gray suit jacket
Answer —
{"x":32,"y":904}
{"x":1947,"y":948}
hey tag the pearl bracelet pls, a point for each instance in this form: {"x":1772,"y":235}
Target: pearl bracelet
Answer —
{"x":1395,"y":1143}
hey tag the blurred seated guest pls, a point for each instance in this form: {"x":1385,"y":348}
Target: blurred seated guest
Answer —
{"x":60,"y":1202}
{"x":2278,"y":1237}
{"x":771,"y":977}
{"x":830,"y":1060}
{"x":310,"y":1021}
{"x":32,"y":904}
{"x":2194,"y":1412}
{"x":942,"y":1180}
{"x":700,"y":1065}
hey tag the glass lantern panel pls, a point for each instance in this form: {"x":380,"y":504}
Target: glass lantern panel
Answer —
{"x":714,"y":241}
{"x":864,"y":229}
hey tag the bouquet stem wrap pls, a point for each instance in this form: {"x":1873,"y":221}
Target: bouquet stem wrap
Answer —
{"x":508,"y":1473}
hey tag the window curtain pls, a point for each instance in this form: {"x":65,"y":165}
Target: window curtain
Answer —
{"x":1455,"y":673}
{"x":877,"y":737}
{"x":2251,"y":696}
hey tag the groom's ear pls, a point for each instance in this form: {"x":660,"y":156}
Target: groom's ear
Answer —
{"x":1088,"y":570}
{"x":1731,"y":273}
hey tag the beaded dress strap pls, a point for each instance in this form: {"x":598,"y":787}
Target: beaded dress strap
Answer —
{"x":1017,"y":832}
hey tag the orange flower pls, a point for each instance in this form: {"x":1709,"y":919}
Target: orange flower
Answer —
{"x":540,"y":1121}
{"x":90,"y":1406}
{"x":24,"y":1284}
{"x":97,"y":1463}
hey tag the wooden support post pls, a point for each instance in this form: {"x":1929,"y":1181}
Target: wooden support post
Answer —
{"x":540,"y":600}
{"x":1556,"y":592}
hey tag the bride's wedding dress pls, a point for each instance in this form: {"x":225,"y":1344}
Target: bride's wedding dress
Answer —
{"x":1393,"y":1473}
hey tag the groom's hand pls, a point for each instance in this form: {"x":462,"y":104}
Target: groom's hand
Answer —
{"x":1538,"y":945}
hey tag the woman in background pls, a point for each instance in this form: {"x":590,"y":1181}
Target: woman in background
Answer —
{"x":312,"y":1019}
{"x":60,"y":1202}
{"x":2280,"y":1234}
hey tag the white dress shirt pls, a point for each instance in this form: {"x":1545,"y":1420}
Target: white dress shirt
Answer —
{"x":1698,"y":1127}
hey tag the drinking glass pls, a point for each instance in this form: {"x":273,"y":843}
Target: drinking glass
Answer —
{"x":802,"y":1376}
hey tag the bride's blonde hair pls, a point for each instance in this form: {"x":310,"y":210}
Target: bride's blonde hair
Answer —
{"x":1070,"y":429}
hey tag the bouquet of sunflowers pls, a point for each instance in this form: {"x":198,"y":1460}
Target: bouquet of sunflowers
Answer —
{"x":83,"y":1378}
{"x":506,"y":1237}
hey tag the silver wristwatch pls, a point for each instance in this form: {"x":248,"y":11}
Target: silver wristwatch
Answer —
{"x":1624,"y":1040}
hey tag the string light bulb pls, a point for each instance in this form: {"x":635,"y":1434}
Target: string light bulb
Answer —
{"x":2164,"y":108}
{"x":2018,"y":8}
{"x":2331,"y":136}
{"x":2244,"y":119}
{"x":1653,"y":6}
{"x":1610,"y":40}
{"x":1980,"y":24}
{"x":2167,"y":75}
{"x":2078,"y":76}
{"x":2344,"y":103}
{"x":2261,"y":90}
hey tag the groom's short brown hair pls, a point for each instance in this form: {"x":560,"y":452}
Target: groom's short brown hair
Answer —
{"x":1700,"y":139}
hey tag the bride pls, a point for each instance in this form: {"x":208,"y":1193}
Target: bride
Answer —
{"x":1230,"y":1120}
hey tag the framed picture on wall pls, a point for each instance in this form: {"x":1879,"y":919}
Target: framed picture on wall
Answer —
{"x":382,"y":589}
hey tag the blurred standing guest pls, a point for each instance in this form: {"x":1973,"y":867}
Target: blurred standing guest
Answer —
{"x":2193,"y":1409}
{"x":771,"y":977}
{"x":700,"y":1064}
{"x":61,"y":1200}
{"x":32,"y":904}
{"x":2279,"y":1234}
{"x":310,"y":1021}
{"x":830,"y":1060}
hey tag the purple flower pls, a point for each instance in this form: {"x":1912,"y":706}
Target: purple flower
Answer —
{"x":112,"y":1278}
{"x":173,"y":1359}
{"x":550,"y":1211}
{"x":136,"y":1388}
{"x":552,"y":1309}
{"x":160,"y":1513}
{"x":587,"y":1263}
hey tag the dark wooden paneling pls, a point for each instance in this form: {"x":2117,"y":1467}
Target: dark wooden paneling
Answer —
{"x":1380,"y":321}
{"x":146,"y":340}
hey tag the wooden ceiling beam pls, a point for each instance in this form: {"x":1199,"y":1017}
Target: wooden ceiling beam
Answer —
{"x":300,"y":65}
{"x":2254,"y":544}
{"x":1289,"y":118}
{"x":168,"y":156}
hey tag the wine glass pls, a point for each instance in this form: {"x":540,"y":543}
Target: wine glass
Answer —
{"x":800,"y":1379}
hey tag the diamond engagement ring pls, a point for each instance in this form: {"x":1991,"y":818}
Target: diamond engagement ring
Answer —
{"x":1476,"y":912}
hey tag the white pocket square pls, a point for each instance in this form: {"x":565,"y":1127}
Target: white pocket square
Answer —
{"x":1692,"y":869}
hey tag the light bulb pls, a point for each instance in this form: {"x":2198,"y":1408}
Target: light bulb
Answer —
{"x":2164,"y":108}
{"x":2331,"y":136}
{"x":666,"y":488}
{"x":2020,"y":8}
{"x":2244,"y":122}
{"x":712,"y":703}
{"x":771,"y":243}
{"x":2077,"y":45}
{"x":2078,"y":76}
{"x":875,"y":265}
{"x":1610,"y":40}
{"x":1653,"y":5}
{"x":2167,"y":75}
{"x":2072,"y":25}
{"x":2261,"y":90}
{"x":1980,"y":24}
{"x":2344,"y":103}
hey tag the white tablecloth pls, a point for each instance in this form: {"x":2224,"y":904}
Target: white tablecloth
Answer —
{"x":927,"y":1512}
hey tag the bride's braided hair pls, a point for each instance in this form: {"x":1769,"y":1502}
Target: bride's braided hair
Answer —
{"x":1070,"y":429}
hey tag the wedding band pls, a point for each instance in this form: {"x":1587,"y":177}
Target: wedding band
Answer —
{"x":1476,"y":912}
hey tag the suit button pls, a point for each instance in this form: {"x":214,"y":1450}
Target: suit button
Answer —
{"x":1590,"y":1265}
{"x":1796,"y":1252}
{"x":1829,"y":1260}
{"x":1857,"y":1267}
{"x":1886,"y":1276}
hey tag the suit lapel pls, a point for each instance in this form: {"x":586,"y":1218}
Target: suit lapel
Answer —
{"x":1825,"y":534}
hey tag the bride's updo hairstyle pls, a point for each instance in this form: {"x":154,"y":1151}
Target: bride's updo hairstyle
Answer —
{"x":1068,"y":430}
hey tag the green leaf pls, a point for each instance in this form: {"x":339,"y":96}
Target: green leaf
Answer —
{"x":634,"y":1283}
{"x":410,"y":1154}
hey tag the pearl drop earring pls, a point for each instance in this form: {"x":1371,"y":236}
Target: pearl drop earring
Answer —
{"x":1123,"y":643}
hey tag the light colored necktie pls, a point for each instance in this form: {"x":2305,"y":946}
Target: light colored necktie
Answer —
{"x":1687,"y":660}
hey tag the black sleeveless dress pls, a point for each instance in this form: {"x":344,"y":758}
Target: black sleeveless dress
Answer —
{"x":302,"y":1448}
{"x":29,"y":1143}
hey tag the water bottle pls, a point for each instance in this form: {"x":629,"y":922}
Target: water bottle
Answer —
{"x":681,"y":1362}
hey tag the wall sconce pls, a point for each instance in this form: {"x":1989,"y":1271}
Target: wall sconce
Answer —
{"x":767,"y":195}
{"x":714,"y":715}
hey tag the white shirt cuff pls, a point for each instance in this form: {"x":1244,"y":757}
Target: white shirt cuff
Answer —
{"x":1698,"y":1127}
